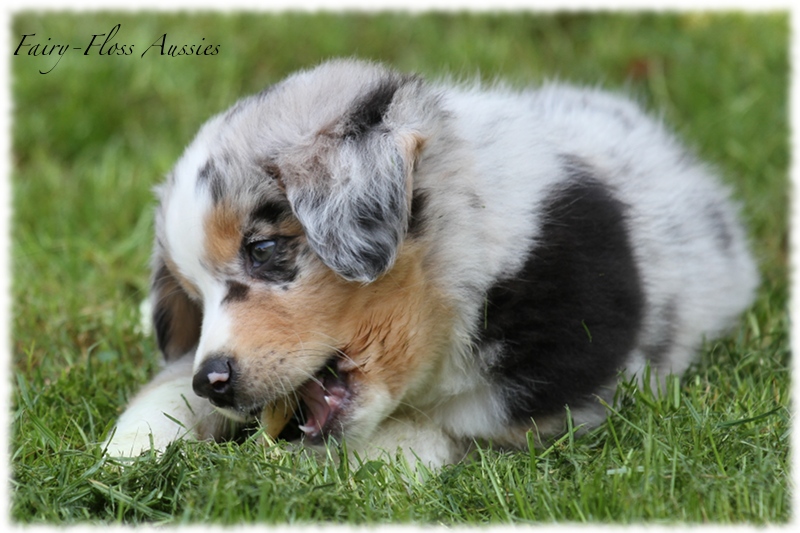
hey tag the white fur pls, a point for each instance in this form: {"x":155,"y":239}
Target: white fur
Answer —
{"x":216,"y":325}
{"x":164,"y":411}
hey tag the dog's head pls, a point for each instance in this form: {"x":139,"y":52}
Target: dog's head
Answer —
{"x":282,"y":257}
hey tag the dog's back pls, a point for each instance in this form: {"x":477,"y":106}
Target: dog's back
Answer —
{"x":595,"y":242}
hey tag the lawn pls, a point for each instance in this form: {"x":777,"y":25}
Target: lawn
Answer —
{"x":94,"y":133}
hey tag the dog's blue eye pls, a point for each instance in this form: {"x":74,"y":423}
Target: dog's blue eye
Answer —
{"x":261,"y":252}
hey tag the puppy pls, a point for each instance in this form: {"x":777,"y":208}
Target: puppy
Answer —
{"x":402,"y":264}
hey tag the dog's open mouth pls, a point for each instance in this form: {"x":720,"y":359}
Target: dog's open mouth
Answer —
{"x":322,"y":401}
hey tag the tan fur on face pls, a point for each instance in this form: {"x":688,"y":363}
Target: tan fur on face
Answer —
{"x":391,"y":329}
{"x":222,"y":229}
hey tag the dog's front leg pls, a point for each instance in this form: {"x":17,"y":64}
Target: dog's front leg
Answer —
{"x":418,"y":438}
{"x":165,"y":410}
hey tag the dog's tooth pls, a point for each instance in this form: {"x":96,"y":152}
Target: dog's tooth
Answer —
{"x":308,"y":430}
{"x":332,"y":401}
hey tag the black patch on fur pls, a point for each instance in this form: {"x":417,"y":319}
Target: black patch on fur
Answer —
{"x":657,"y":348}
{"x":162,"y":317}
{"x":567,"y":320}
{"x":416,"y":220}
{"x":176,"y":319}
{"x":162,"y":322}
{"x":271,"y":212}
{"x":377,"y":223}
{"x":369,"y":110}
{"x":237,"y":292}
{"x":210,"y":176}
{"x":371,"y":216}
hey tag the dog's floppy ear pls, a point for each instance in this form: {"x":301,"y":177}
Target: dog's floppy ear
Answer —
{"x":176,"y":318}
{"x":355,"y":206}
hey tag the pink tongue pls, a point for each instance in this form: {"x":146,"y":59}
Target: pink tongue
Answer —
{"x":322,"y":402}
{"x":318,"y":409}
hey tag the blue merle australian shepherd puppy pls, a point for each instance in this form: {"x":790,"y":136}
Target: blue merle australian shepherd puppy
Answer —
{"x":364,"y":256}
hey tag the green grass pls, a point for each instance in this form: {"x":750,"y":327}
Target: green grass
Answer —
{"x":93,"y":136}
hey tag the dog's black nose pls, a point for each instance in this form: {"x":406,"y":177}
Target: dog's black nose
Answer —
{"x":214,"y":380}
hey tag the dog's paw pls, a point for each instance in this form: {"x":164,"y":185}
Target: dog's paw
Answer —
{"x":133,"y":437}
{"x":129,"y":443}
{"x":146,"y":425}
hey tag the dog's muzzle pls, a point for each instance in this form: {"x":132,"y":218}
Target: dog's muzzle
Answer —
{"x":323,"y":399}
